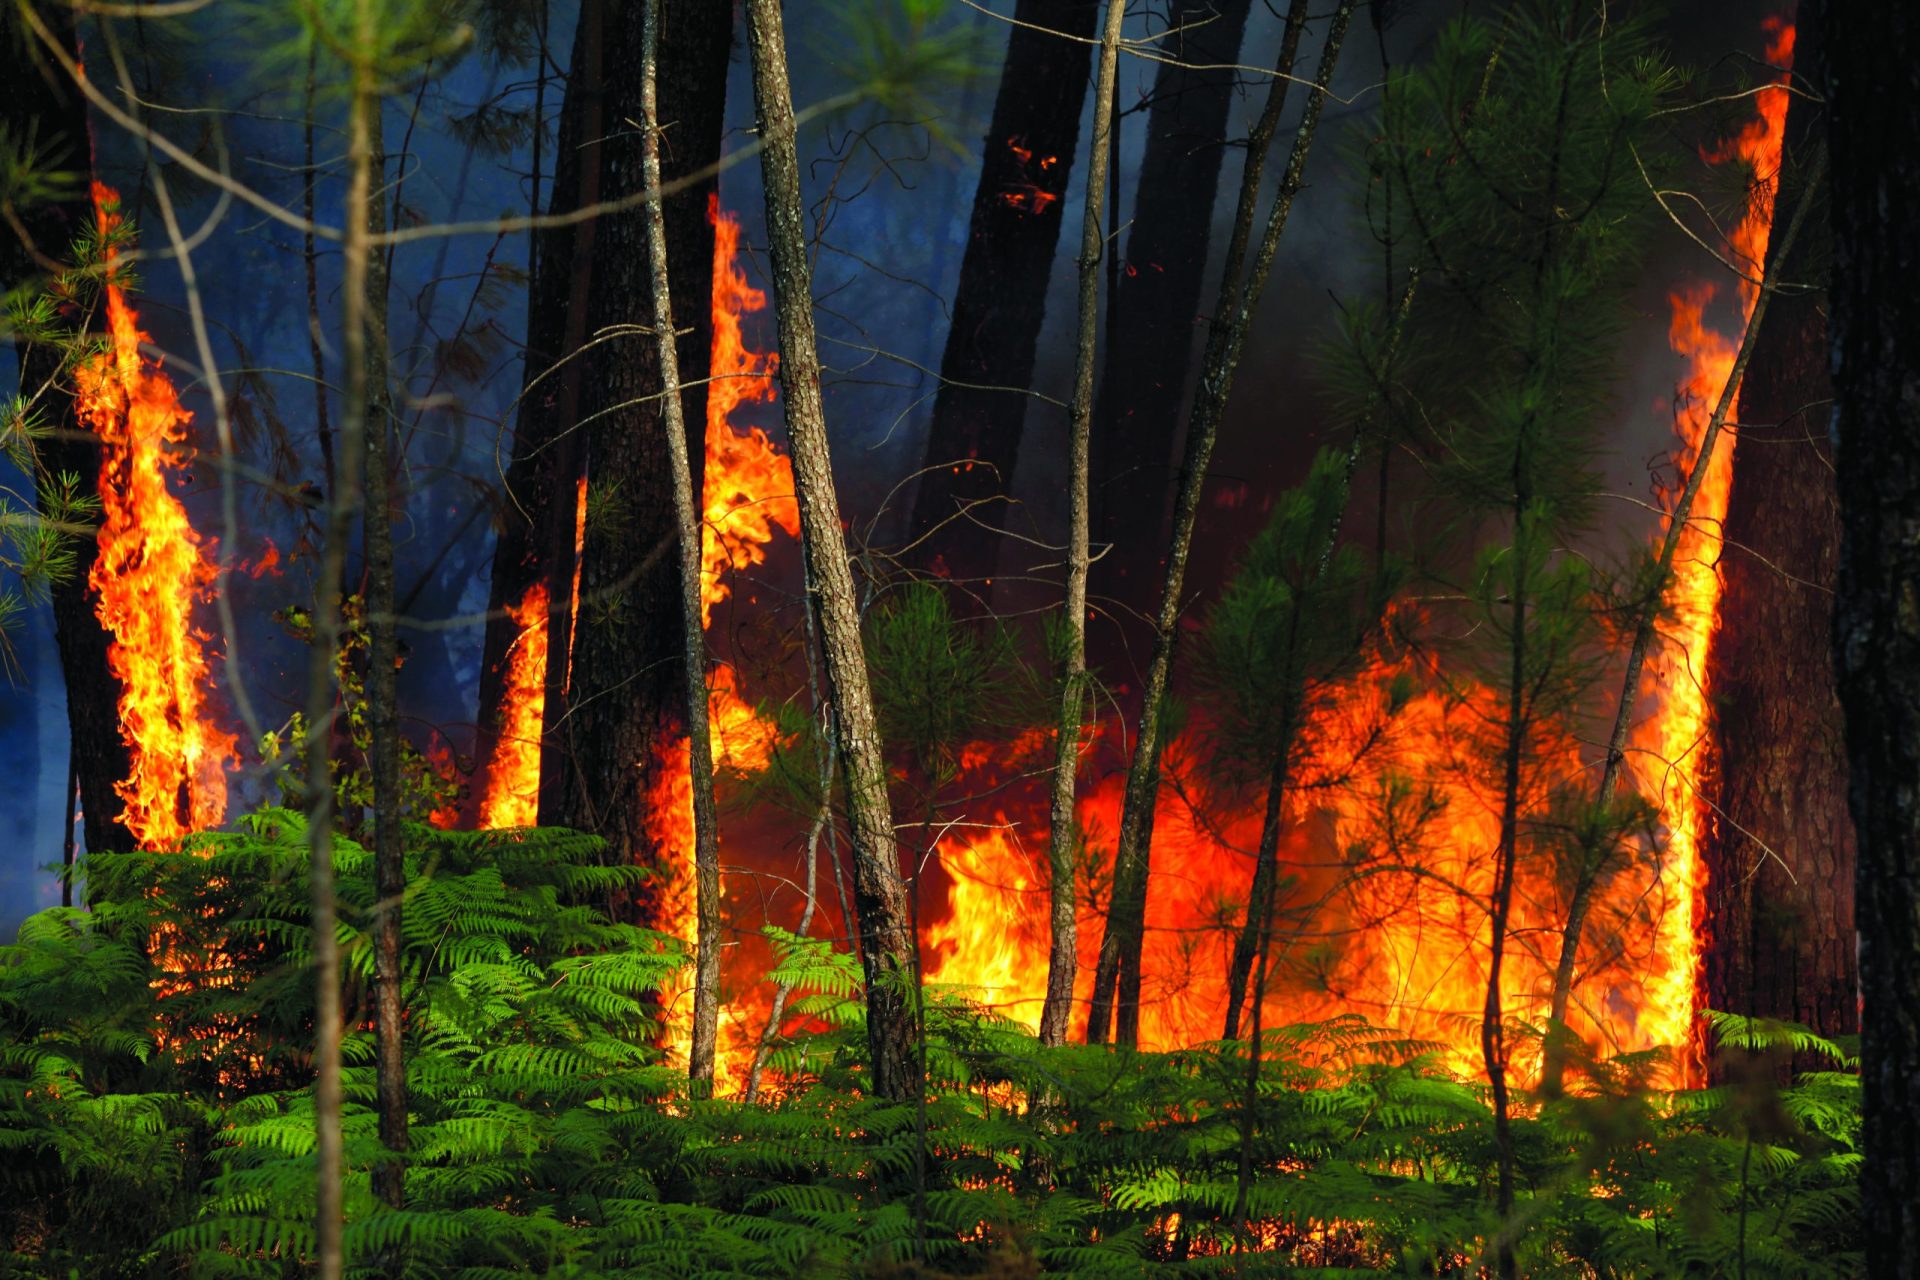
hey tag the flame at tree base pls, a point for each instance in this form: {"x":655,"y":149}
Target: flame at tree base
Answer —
{"x":150,"y":571}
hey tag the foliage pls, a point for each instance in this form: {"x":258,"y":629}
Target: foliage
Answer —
{"x":426,"y":788}
{"x":155,"y":1119}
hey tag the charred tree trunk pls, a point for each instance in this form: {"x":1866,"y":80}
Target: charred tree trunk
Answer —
{"x":1873,"y":93}
{"x":40,"y":100}
{"x":1780,"y":855}
{"x":973,"y":443}
{"x":625,"y":697}
{"x":1157,"y":301}
{"x":887,"y":944}
{"x":537,"y":510}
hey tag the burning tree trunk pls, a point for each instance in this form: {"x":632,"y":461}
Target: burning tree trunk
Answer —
{"x":1116,"y":991}
{"x":623,"y":696}
{"x":1063,"y":827}
{"x":1872,"y":50}
{"x":880,"y":897}
{"x":40,"y":102}
{"x":1779,"y":856}
{"x":973,"y":443}
{"x":1157,"y":295}
{"x":529,"y":599}
{"x":686,"y":512}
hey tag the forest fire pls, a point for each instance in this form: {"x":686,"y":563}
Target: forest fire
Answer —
{"x":151,"y":571}
{"x":1390,"y":865}
{"x":512,"y":796}
{"x":1676,"y":771}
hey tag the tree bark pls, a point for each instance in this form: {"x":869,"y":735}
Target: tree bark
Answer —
{"x":357,"y":258}
{"x":537,"y":516}
{"x":880,"y":897}
{"x":1156,"y":304}
{"x":1873,"y":92}
{"x":686,"y":513}
{"x":39,"y":96}
{"x":1597,"y":861}
{"x":383,"y":711}
{"x":1779,"y":899}
{"x":973,"y":443}
{"x":1063,"y":826}
{"x":627,"y":688}
{"x":1116,"y":992}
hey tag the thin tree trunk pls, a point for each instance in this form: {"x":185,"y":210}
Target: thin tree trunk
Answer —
{"x":1143,"y":377}
{"x":383,"y":712}
{"x":627,"y":692}
{"x":706,"y":842}
{"x":1595,"y":861}
{"x":1116,"y":993}
{"x":880,"y":896}
{"x":322,"y":700}
{"x":980,"y":408}
{"x":39,"y":99}
{"x":1063,"y":830}
{"x":1873,"y":94}
{"x":1266,"y":874}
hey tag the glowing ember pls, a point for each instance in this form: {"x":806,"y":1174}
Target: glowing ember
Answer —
{"x":513,"y":778}
{"x":1028,"y":195}
{"x":151,"y":570}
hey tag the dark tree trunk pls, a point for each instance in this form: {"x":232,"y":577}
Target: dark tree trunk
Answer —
{"x":1873,"y":92}
{"x":535,"y":542}
{"x":973,"y":443}
{"x":1155,"y":309}
{"x":36,"y":95}
{"x":626,"y":693}
{"x":1779,"y":913}
{"x":383,"y":713}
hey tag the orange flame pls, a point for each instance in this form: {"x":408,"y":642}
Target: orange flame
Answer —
{"x":151,"y":570}
{"x":1674,"y":743}
{"x":747,"y":491}
{"x":1390,"y":867}
{"x":513,"y":777}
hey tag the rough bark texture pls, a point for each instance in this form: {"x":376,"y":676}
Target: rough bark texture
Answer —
{"x":887,"y":944}
{"x":1873,"y":91}
{"x":546,"y":455}
{"x":686,"y":515}
{"x":626,"y":694}
{"x":973,"y":443}
{"x":1779,"y":935}
{"x":1063,"y":826}
{"x":1117,"y":979}
{"x":383,"y":716}
{"x":1157,"y":302}
{"x":37,"y":95}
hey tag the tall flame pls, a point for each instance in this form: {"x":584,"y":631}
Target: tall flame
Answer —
{"x":151,"y":570}
{"x":1407,"y":947}
{"x":513,"y":777}
{"x":1675,"y":740}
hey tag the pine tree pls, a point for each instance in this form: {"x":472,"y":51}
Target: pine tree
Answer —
{"x":1502,"y":151}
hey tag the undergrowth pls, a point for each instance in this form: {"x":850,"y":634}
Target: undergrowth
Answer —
{"x":155,"y":1118}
